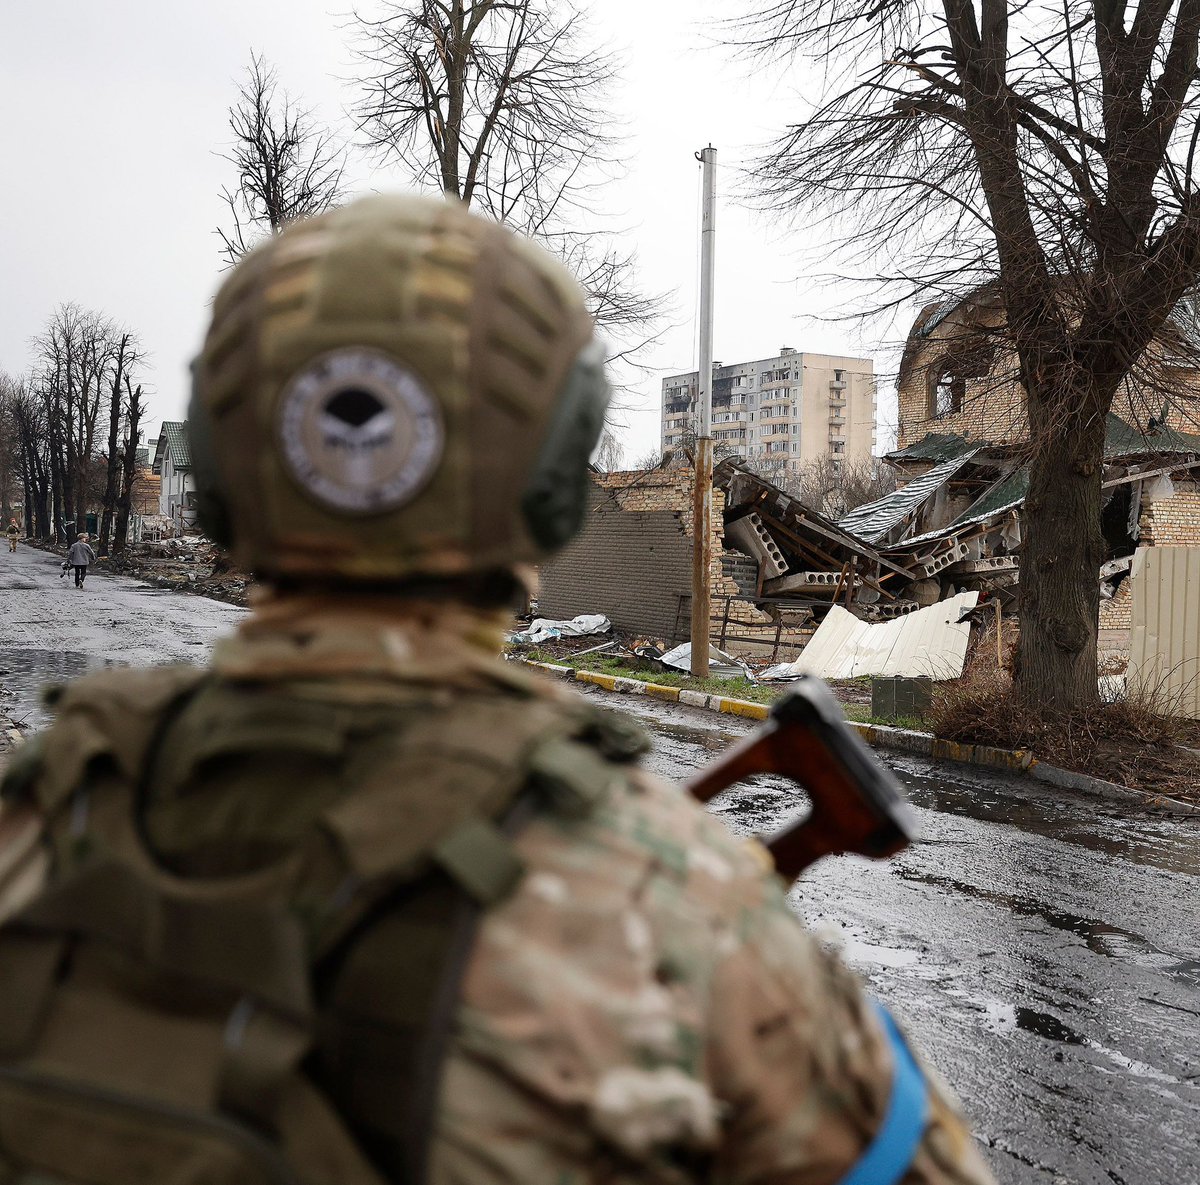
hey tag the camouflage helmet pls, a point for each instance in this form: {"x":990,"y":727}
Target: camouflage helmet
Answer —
{"x":396,"y":389}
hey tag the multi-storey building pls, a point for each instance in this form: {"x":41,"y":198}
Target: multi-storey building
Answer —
{"x":784,"y":411}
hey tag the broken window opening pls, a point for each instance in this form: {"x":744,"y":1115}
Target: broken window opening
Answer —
{"x":948,"y":390}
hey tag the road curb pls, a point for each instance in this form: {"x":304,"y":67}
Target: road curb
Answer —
{"x":681,"y":695}
{"x":886,"y":736}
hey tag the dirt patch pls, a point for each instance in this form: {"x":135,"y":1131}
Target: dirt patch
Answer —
{"x":1129,"y":740}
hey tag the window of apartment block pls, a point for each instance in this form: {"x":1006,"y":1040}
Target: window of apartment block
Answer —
{"x":838,"y":446}
{"x":839,"y":376}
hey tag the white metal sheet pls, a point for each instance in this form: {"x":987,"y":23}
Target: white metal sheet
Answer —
{"x":1164,"y":644}
{"x":931,"y":642}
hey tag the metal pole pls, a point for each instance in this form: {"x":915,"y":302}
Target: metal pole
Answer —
{"x":702,"y":491}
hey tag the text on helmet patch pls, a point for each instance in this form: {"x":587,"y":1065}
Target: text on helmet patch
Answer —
{"x":360,"y":431}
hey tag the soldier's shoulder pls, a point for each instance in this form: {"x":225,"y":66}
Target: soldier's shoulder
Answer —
{"x":110,"y":714}
{"x":116,"y":688}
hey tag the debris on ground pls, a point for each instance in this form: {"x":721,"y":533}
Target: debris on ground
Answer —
{"x":720,"y":664}
{"x":543,"y":629}
{"x":185,"y":563}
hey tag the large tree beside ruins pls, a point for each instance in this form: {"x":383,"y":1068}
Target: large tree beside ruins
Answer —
{"x":1049,"y":147}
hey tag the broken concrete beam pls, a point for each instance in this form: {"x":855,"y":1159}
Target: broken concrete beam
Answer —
{"x":940,"y":563}
{"x":749,"y":535}
{"x":887,"y":611}
{"x":1115,"y":566}
{"x":807,"y":582}
{"x":997,"y":563}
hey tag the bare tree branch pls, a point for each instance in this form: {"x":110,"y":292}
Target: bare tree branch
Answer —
{"x":288,"y":167}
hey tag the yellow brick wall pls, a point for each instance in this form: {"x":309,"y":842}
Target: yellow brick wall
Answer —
{"x":994,"y":407}
{"x":1115,"y":613}
{"x":1172,"y":522}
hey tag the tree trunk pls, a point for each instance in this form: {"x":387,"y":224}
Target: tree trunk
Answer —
{"x":128,"y":469}
{"x":1062,"y":550}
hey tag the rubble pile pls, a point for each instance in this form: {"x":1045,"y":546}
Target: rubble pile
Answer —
{"x":186,"y":563}
{"x":952,"y":526}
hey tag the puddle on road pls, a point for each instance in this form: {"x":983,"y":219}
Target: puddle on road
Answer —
{"x":1002,"y":1018}
{"x":1005,"y":799}
{"x":1101,"y":937}
{"x":23,"y":674}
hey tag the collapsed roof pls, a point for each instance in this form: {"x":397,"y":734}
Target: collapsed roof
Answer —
{"x":954,"y":524}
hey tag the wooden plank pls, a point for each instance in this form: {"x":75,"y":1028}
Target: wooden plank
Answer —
{"x":1165,"y":469}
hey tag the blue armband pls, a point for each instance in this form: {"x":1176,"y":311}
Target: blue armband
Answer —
{"x":890,"y":1153}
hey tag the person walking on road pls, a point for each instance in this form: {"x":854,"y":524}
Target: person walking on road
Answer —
{"x":360,"y":902}
{"x":79,"y":557}
{"x":13,"y":533}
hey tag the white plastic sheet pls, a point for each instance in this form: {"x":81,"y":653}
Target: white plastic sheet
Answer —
{"x":541,"y":629}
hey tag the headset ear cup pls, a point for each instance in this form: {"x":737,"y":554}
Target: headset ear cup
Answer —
{"x":212,"y":515}
{"x":555,"y":498}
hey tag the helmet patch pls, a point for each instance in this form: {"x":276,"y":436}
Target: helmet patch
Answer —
{"x":360,"y":431}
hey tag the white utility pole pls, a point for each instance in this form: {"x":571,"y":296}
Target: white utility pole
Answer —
{"x":702,"y":493}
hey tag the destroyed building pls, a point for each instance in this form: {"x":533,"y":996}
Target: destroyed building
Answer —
{"x":953,"y":525}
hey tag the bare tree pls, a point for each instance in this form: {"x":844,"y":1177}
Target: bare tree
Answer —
{"x":500,"y":103}
{"x":74,"y":353}
{"x":23,"y":410}
{"x":1047,"y":147}
{"x":288,"y":166}
{"x":129,"y":472}
{"x":834,"y":486}
{"x":125,"y":357}
{"x":609,"y":453}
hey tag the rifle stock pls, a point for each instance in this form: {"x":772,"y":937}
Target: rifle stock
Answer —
{"x":857,"y":805}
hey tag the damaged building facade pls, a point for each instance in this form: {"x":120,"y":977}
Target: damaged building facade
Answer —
{"x":952,"y":526}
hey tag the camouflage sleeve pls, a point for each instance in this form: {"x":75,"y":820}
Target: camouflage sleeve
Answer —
{"x":801,"y":1060}
{"x":646,"y":1008}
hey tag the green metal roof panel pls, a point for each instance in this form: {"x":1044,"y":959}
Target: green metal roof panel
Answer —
{"x":1008,"y":492}
{"x":177,"y":442}
{"x":1124,"y":440}
{"x":874,"y":520}
{"x":936,"y":447}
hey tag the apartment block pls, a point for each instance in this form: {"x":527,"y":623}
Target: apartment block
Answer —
{"x":784,"y":411}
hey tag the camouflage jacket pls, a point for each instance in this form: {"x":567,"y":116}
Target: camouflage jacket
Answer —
{"x":644,"y":1006}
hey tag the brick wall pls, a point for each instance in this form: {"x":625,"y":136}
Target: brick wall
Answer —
{"x":630,"y":564}
{"x":1115,"y":613}
{"x":1172,"y":522}
{"x":993,"y":407}
{"x":633,"y":561}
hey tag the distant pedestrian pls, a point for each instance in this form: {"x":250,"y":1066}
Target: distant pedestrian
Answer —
{"x":79,"y":557}
{"x":13,"y":533}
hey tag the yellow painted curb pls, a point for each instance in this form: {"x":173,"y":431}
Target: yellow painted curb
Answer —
{"x":742,"y":707}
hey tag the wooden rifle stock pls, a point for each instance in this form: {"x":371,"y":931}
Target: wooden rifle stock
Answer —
{"x":857,"y":805}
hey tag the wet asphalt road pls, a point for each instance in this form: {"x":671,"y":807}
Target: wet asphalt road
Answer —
{"x":51,"y":631}
{"x":1043,"y":949}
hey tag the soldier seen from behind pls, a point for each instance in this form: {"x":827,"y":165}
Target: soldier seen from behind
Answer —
{"x":360,"y":902}
{"x":13,"y":533}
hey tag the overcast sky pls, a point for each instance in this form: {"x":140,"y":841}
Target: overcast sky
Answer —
{"x":114,"y":115}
